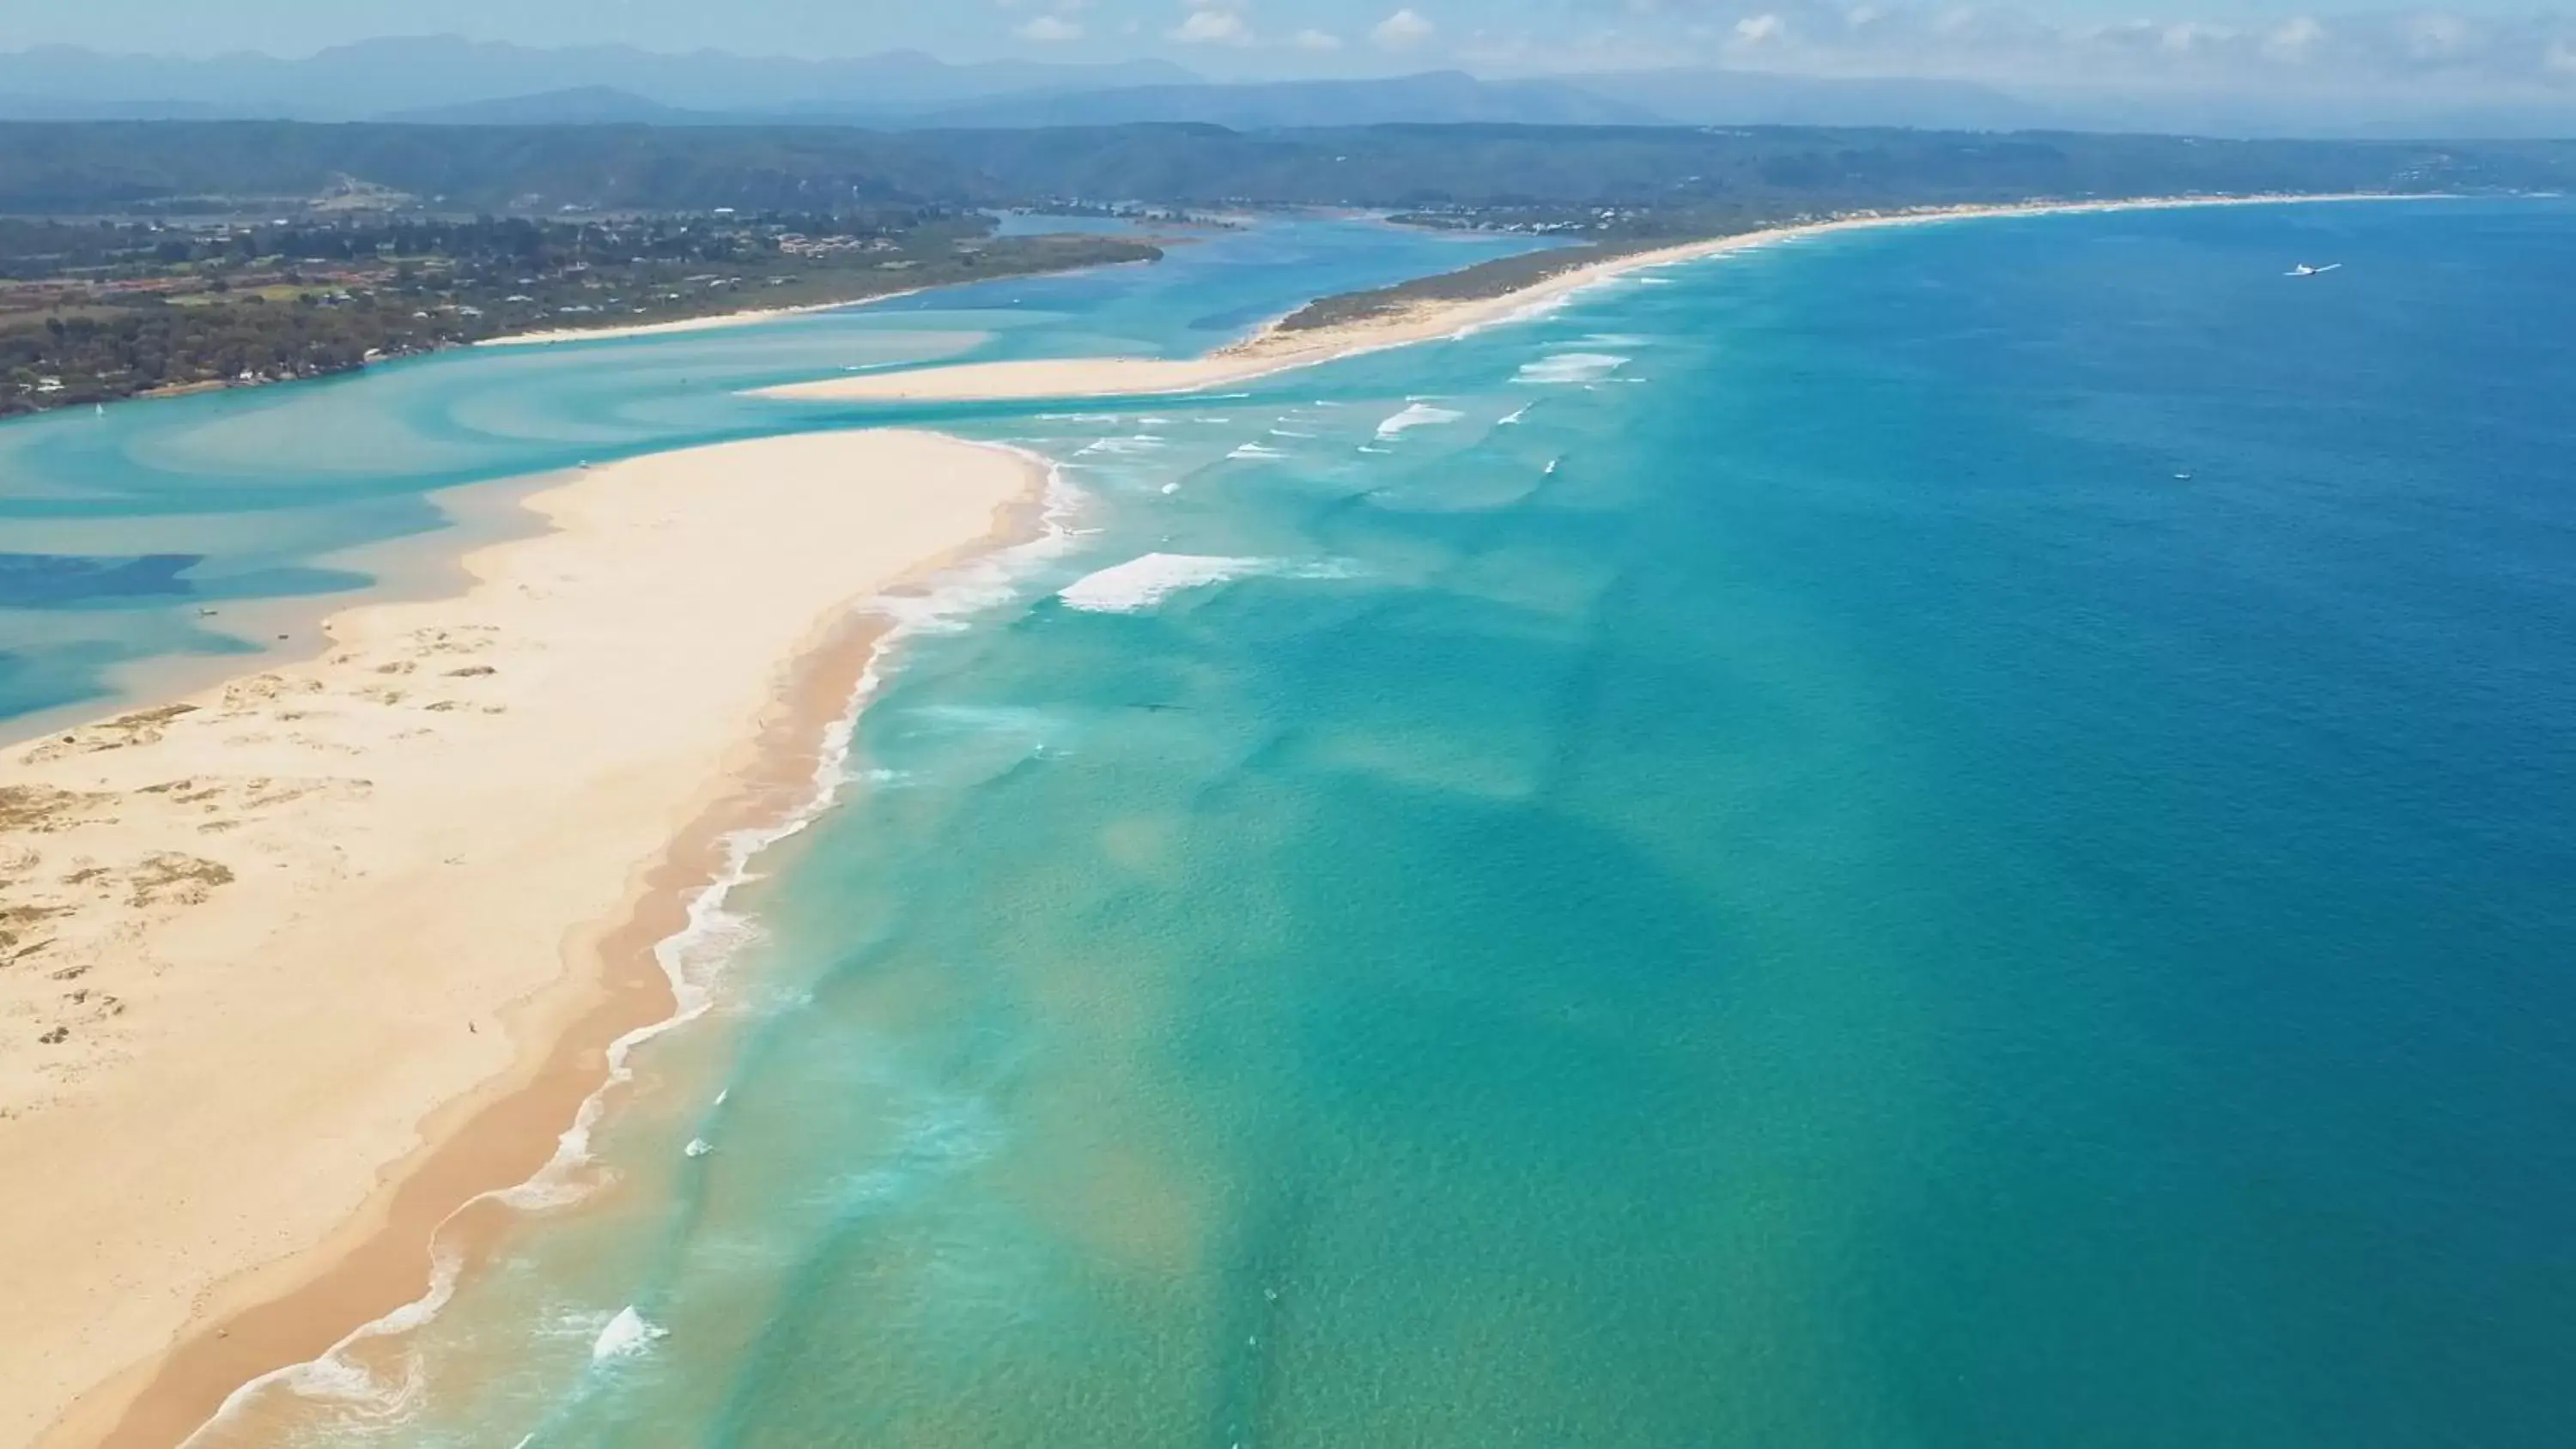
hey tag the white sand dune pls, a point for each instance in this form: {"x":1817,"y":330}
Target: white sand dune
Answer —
{"x":273,"y":942}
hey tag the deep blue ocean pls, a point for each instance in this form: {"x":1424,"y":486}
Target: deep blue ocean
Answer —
{"x":1958,"y":836}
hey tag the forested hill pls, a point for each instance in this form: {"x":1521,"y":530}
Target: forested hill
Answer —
{"x":91,"y":167}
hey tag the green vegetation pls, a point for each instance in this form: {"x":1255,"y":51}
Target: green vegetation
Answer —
{"x":1501,"y":276}
{"x":249,"y":251}
{"x":174,"y":168}
{"x":94,"y":311}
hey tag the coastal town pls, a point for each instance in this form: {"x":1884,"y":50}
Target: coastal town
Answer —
{"x":95,"y":310}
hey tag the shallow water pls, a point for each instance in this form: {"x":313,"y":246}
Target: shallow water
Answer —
{"x":155,"y":545}
{"x":1767,"y":870}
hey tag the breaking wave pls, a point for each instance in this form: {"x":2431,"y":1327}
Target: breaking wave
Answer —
{"x":1141,"y":583}
{"x":1415,"y":415}
{"x":691,"y":959}
{"x":1571,"y":367}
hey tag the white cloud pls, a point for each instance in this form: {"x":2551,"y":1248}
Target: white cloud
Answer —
{"x":1049,"y":30}
{"x":1403,"y":30}
{"x":2191,"y":35}
{"x":2433,"y":37}
{"x":2446,"y":48}
{"x":2293,"y":39}
{"x":1213,"y":25}
{"x":1318,"y":41}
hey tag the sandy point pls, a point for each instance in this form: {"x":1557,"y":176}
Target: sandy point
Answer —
{"x":297,"y":965}
{"x":1275,"y":350}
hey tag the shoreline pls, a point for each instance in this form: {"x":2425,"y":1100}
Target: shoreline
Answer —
{"x":713,"y":321}
{"x":1271,"y":350}
{"x":588,"y":980}
{"x":553,"y":335}
{"x":452,"y":1193}
{"x":405,"y":568}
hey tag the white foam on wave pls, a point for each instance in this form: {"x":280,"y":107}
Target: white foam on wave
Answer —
{"x":1141,"y":583}
{"x":1512,"y":419}
{"x":691,"y":960}
{"x":1415,"y":415}
{"x":1121,"y":447}
{"x":1255,"y":452}
{"x":626,"y":1335}
{"x":698,"y":1147}
{"x":1571,"y":367}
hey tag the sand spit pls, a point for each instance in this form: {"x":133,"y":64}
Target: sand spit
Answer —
{"x":713,"y":322}
{"x":291,"y":967}
{"x":1274,"y":351}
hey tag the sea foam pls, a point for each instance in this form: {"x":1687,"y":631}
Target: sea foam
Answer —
{"x":1140,"y":583}
{"x":1571,"y":367}
{"x":626,"y":1335}
{"x":1122,"y":447}
{"x":690,"y":960}
{"x":1415,"y":415}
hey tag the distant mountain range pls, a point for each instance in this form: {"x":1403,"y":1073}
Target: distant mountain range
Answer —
{"x":376,"y":78}
{"x":1439,"y":98}
{"x":449,"y":81}
{"x":1436,"y":98}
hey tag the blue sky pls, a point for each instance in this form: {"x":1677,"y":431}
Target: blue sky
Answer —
{"x":2472,"y":46}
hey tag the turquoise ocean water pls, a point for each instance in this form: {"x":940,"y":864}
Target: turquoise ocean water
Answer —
{"x":1953,"y":837}
{"x":121,"y":529}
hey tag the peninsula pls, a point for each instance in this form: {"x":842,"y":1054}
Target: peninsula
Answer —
{"x":370,"y":922}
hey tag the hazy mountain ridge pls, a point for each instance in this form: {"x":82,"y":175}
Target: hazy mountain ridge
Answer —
{"x":1435,"y":97}
{"x":379,"y":77}
{"x":1711,"y":175}
{"x":446,"y":80}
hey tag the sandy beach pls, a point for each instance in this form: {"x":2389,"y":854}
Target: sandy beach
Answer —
{"x":1273,"y":350}
{"x":296,"y":965}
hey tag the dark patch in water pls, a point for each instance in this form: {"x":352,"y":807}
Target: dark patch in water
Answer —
{"x":53,"y":580}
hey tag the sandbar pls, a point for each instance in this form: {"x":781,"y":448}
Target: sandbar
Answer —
{"x":293,"y":966}
{"x":1274,"y":350}
{"x":708,"y":323}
